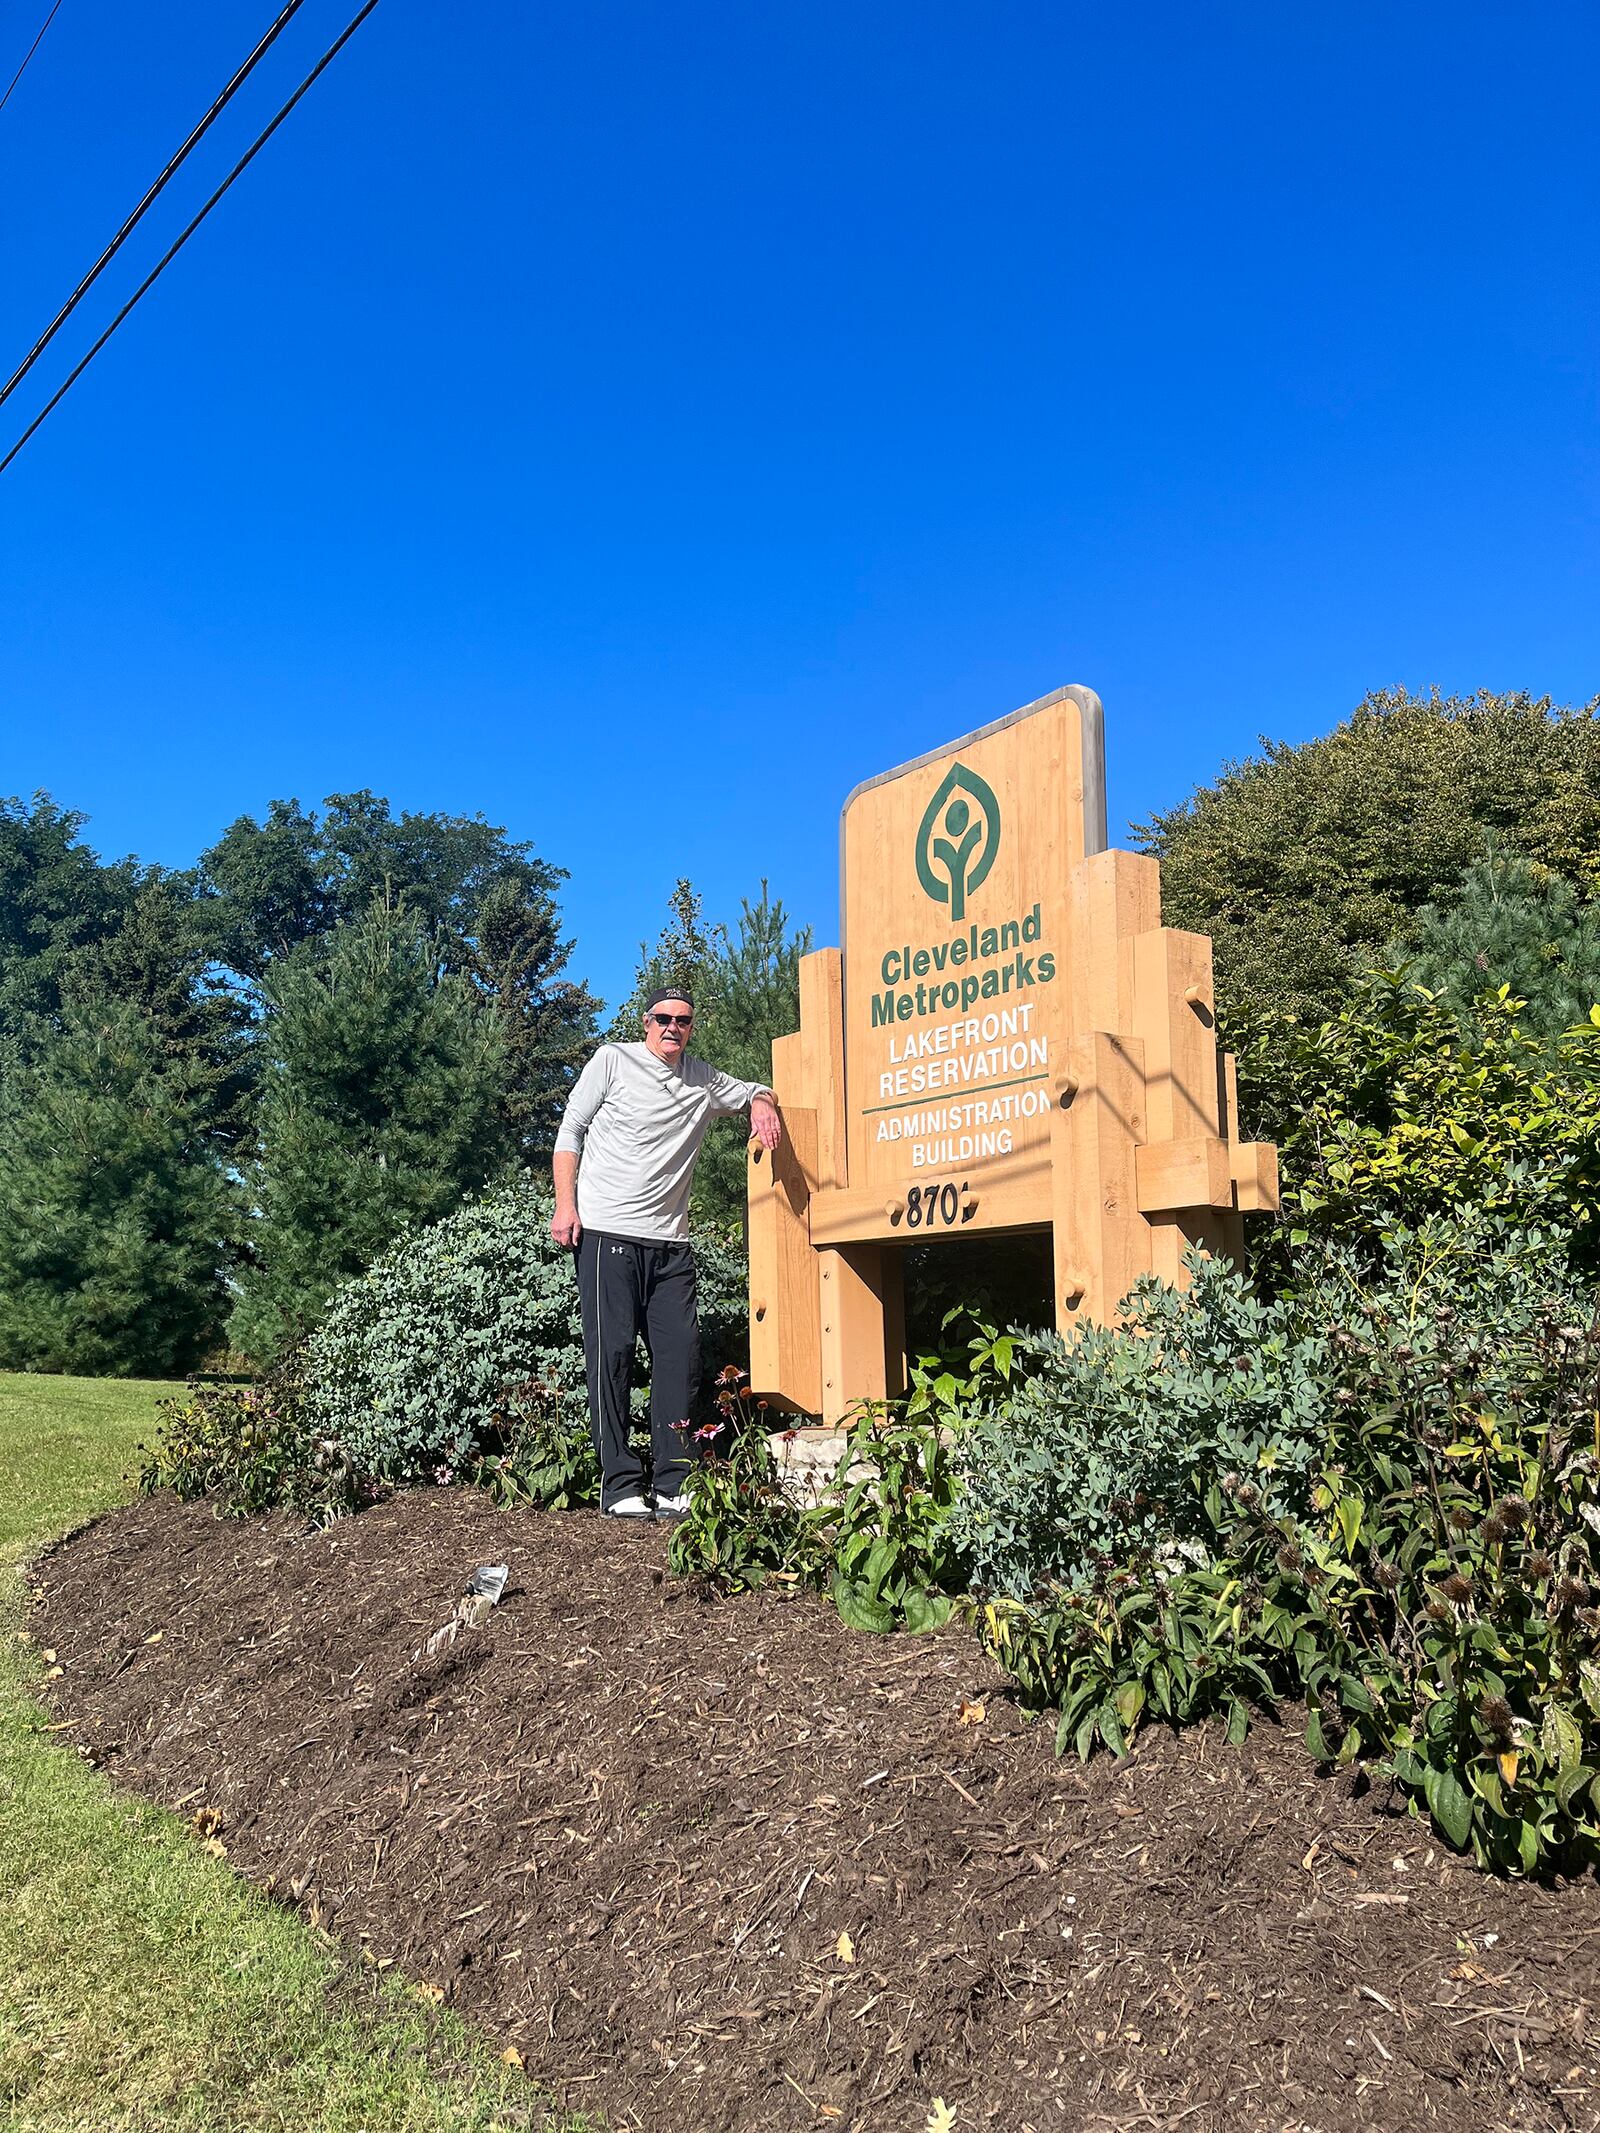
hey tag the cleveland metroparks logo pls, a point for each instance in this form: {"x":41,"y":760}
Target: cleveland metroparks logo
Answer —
{"x":957,"y":839}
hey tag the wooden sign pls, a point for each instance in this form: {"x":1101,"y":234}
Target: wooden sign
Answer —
{"x":1008,"y":1040}
{"x":955,"y":872}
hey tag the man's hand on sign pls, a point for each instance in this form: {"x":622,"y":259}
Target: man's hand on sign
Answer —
{"x":765,"y":1123}
{"x":566,"y":1228}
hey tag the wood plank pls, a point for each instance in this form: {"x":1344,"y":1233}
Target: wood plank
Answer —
{"x":850,"y":1284}
{"x":1178,"y":1033}
{"x":1254,"y":1165}
{"x":861,"y":1213}
{"x":1173,"y":1175}
{"x":822,"y":1037}
{"x":785,"y":1332}
{"x":1101,"y":1243}
{"x":1114,"y":898}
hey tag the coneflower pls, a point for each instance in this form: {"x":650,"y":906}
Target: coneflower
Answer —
{"x":1497,"y":1716}
{"x":1457,"y":1588}
{"x":1538,"y":1567}
{"x":1290,"y":1560}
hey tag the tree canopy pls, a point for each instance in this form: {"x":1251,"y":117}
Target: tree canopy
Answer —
{"x":1305,"y":863}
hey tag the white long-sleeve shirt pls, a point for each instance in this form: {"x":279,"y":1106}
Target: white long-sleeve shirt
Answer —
{"x":636,"y":1124}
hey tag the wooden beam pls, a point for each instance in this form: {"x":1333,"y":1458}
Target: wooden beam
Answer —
{"x":1101,"y":1244}
{"x":863,"y":1214}
{"x":822,"y":1037}
{"x":1115,"y":896}
{"x":785,"y":1330}
{"x":1173,"y":1175}
{"x":850,"y":1286}
{"x":1254,"y":1165}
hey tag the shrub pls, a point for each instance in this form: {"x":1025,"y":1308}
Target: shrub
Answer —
{"x":1386,"y":1114}
{"x":1423,"y":1576}
{"x":411,"y":1369}
{"x":458,"y":1355}
{"x":1098,"y":1446}
{"x":1115,"y":1439}
{"x":247,"y":1444}
{"x":880,"y":1538}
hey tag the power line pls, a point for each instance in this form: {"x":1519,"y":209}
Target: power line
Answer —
{"x":127,"y":228}
{"x":39,"y":40}
{"x":182,"y":239}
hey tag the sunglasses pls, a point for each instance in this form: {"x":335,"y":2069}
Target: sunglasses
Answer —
{"x":673,"y":1021}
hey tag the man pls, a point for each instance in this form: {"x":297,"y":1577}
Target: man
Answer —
{"x":624,"y":1163}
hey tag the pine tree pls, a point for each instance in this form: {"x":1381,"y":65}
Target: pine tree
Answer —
{"x":1513,"y":923}
{"x":755,"y":998}
{"x":115,"y":1213}
{"x":688,"y":952}
{"x":382,"y":1103}
{"x":515,"y":960}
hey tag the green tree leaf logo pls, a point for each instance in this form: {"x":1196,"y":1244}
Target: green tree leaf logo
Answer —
{"x":956,"y":844}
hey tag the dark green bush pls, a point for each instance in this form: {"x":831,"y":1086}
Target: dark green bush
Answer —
{"x":1427,"y":1587}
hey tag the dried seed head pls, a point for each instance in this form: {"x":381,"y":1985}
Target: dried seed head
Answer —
{"x":1457,"y":1588}
{"x":1538,"y":1567}
{"x":1462,"y":1517}
{"x":1385,"y":1574}
{"x":1290,"y":1560}
{"x":1513,"y":1510}
{"x":1436,"y":1611}
{"x":1496,"y":1715}
{"x":1564,"y":1595}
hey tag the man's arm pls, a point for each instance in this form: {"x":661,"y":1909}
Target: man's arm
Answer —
{"x":565,"y":1226}
{"x":728,"y":1097}
{"x":588,"y":1094}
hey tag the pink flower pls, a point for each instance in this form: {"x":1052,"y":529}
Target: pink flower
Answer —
{"x":707,"y":1431}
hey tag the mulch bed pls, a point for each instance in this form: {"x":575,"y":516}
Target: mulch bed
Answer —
{"x":718,"y":1866}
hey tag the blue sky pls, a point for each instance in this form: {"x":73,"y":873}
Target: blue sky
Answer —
{"x":642,"y":423}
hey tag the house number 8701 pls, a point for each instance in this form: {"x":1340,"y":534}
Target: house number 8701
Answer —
{"x":928,"y":1205}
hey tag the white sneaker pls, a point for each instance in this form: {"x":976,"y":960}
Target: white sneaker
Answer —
{"x":628,"y":1507}
{"x":673,"y":1506}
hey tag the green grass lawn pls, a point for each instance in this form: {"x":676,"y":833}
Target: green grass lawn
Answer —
{"x":142,"y":1984}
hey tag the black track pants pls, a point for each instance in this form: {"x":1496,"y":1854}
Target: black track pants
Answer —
{"x":625,"y":1289}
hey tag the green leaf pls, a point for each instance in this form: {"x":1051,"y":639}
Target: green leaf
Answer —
{"x":1316,"y":1739}
{"x":1449,"y":1805}
{"x":925,"y":1610}
{"x":1570,"y":1783}
{"x":858,"y":1610}
{"x":1085,"y":1737}
{"x":1128,"y":1700}
{"x":1238,"y":1722}
{"x":1561,"y":1737}
{"x":1111,"y":1728}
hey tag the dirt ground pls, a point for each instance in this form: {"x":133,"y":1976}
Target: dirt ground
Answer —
{"x":720,"y":1866}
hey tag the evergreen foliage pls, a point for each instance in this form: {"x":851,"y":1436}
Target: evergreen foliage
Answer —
{"x":1510,"y":925}
{"x":276,"y":886}
{"x":1303,"y":863}
{"x":382,"y":1103}
{"x":115,"y":1216}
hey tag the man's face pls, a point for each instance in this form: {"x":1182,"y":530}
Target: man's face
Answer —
{"x":666,"y":1029}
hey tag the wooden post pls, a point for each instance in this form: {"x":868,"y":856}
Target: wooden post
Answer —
{"x":1100,"y":1240}
{"x":850,"y":1290}
{"x":785,"y":1330}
